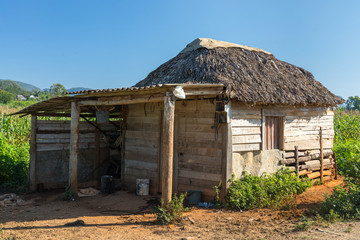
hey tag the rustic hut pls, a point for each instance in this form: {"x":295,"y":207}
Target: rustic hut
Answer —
{"x":214,"y":110}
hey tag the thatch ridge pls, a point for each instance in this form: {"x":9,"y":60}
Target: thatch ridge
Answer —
{"x":254,"y":77}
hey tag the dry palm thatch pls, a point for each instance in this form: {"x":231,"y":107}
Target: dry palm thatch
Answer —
{"x":250,"y":75}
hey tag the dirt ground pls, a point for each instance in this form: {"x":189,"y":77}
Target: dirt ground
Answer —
{"x":123,"y":215}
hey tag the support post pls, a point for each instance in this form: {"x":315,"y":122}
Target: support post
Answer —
{"x":335,"y":167}
{"x":74,"y":146}
{"x":167,"y":148}
{"x":32,"y":167}
{"x":321,"y":156}
{"x":97,"y":154}
{"x":297,"y":160}
{"x":124,"y":111}
{"x":227,"y":168}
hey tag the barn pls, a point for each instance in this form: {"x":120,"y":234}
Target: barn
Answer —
{"x":214,"y":110}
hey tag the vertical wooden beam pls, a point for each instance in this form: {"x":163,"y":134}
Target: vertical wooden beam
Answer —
{"x":124,"y":113}
{"x":167,"y":148}
{"x":74,"y":146}
{"x":321,"y":156}
{"x":176,"y":154}
{"x":335,"y":166}
{"x":97,"y":154}
{"x":263,"y":128}
{"x":227,"y":168}
{"x":297,"y":160}
{"x":161,"y":118}
{"x":32,"y":167}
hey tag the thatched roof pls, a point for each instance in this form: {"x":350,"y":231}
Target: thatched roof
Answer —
{"x":251,"y":75}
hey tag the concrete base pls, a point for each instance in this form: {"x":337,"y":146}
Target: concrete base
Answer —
{"x":257,"y":162}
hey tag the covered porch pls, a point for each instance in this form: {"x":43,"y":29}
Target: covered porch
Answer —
{"x":177,"y":143}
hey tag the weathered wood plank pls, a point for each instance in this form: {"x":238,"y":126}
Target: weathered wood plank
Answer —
{"x":305,"y":137}
{"x":183,"y":172}
{"x":246,"y":131}
{"x":149,"y":135}
{"x":246,"y":122}
{"x":246,"y":139}
{"x":308,"y":144}
{"x":149,"y":166}
{"x":245,"y":147}
{"x":201,"y":151}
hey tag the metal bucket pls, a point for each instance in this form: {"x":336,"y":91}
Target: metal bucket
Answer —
{"x":142,"y":187}
{"x":107,"y":184}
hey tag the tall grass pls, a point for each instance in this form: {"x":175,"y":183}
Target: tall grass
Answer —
{"x":14,"y":151}
{"x":344,"y":203}
{"x":347,"y":142}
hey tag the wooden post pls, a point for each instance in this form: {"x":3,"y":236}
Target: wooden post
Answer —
{"x":32,"y":167}
{"x":124,"y":111}
{"x":335,"y":165}
{"x":297,"y":160}
{"x":74,"y":146}
{"x":176,"y":156}
{"x":167,"y":149}
{"x":97,"y":155}
{"x":321,"y":156}
{"x":227,"y":168}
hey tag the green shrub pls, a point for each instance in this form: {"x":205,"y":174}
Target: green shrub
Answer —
{"x":344,"y":203}
{"x":348,"y":158}
{"x":171,"y":212}
{"x":267,"y":190}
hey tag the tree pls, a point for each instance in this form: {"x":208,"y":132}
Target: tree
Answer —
{"x":6,"y":97}
{"x":353,"y":103}
{"x":58,"y":90}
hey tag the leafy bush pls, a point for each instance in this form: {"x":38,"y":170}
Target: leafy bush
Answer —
{"x":348,"y":158}
{"x":344,"y":203}
{"x":264,"y":191}
{"x":171,"y":212}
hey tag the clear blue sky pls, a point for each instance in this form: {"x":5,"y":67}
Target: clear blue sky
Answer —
{"x":108,"y":44}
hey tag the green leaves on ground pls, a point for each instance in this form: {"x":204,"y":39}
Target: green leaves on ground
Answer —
{"x":171,"y":212}
{"x":265,"y":191}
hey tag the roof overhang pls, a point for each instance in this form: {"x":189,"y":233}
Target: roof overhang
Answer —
{"x":90,"y":100}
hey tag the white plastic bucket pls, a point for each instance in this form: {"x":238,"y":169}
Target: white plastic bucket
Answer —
{"x":142,"y":187}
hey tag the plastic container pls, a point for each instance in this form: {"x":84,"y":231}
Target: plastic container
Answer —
{"x":142,"y":187}
{"x":194,"y":197}
{"x":107,"y":184}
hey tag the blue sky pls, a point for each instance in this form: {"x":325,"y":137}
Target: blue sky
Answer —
{"x":108,"y":44}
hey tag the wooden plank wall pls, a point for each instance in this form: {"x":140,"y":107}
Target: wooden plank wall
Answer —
{"x":199,"y":148}
{"x":302,"y":126}
{"x":55,"y":135}
{"x":52,"y":147}
{"x":246,"y":128}
{"x":142,"y":144}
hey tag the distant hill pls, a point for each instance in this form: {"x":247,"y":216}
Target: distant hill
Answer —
{"x":27,"y":86}
{"x":12,"y":87}
{"x":18,"y":87}
{"x":75,"y":89}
